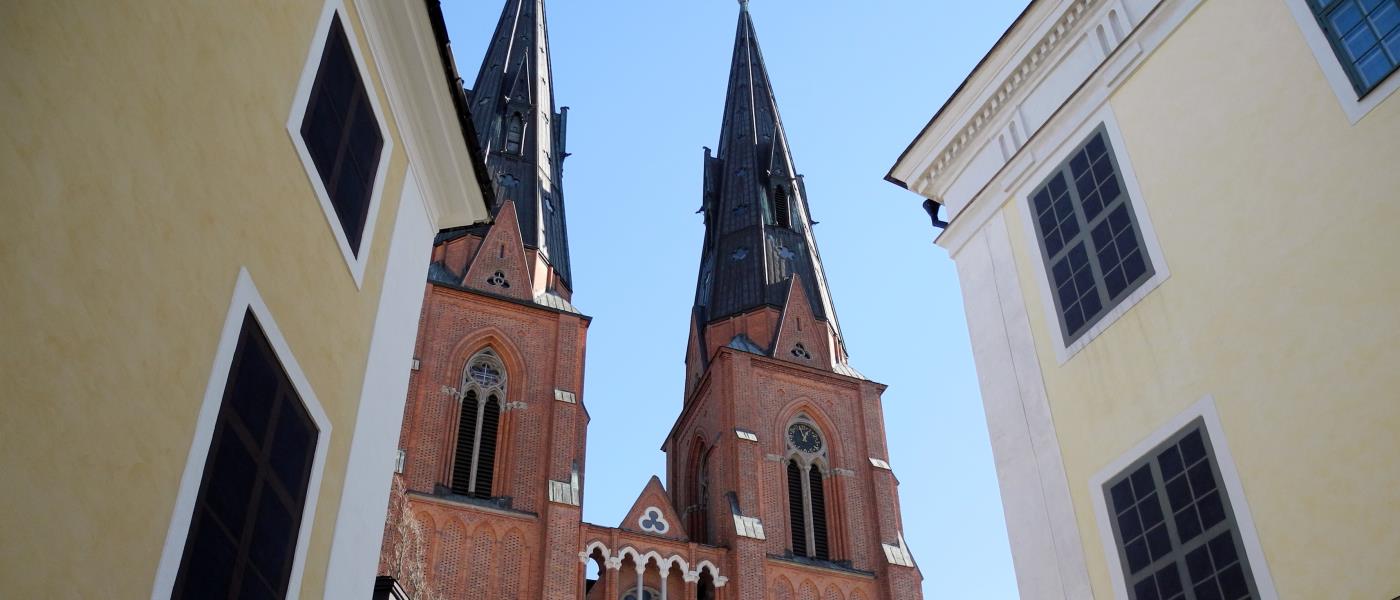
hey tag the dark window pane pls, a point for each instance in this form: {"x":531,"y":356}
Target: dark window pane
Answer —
{"x":342,"y":135}
{"x":240,"y":489}
{"x":211,"y":559}
{"x":1211,"y":509}
{"x":1232,"y":583}
{"x":1158,"y":542}
{"x":1151,"y":510}
{"x":1146,"y":590}
{"x":1199,"y":565}
{"x":1179,"y":492}
{"x":1193,"y":448}
{"x":1169,"y":582}
{"x":1202,"y":481}
{"x":1222,"y":548}
{"x":231,"y":484}
{"x":1122,"y":496}
{"x":254,"y":388}
{"x":293,"y":447}
{"x":273,"y":538}
{"x":1210,"y":567}
{"x":1128,"y":525}
{"x":1142,"y":481}
{"x":1170,"y":462}
{"x":1188,"y":524}
{"x":1208,"y":591}
{"x":1138,"y":557}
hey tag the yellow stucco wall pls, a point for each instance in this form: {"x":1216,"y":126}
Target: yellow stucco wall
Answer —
{"x":145,"y":158}
{"x":1278,"y":221}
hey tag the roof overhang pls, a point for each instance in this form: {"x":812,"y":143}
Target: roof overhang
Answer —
{"x":414,"y":58}
{"x":912,"y":170}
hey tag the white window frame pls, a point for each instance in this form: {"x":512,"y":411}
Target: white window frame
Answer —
{"x":246,"y":299}
{"x":356,"y":264}
{"x":1022,"y":196}
{"x":1205,"y":410}
{"x":1332,"y":68}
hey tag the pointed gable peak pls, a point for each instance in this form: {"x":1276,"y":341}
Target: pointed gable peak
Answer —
{"x":499,"y":266}
{"x":802,"y":338}
{"x":654,"y":514}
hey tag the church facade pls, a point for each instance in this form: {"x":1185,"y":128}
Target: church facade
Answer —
{"x":778,"y":483}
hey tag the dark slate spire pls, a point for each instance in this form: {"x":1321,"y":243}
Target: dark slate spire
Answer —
{"x":758,"y":229}
{"x":520,"y":132}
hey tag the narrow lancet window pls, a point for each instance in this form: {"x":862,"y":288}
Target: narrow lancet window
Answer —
{"x":474,"y":460}
{"x":797,"y":510}
{"x":807,"y":511}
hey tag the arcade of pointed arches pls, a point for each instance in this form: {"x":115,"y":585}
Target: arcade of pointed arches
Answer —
{"x":705,"y":575}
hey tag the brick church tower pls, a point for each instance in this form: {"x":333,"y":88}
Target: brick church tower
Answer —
{"x":487,"y":501}
{"x":779,"y":453}
{"x":777,"y":484}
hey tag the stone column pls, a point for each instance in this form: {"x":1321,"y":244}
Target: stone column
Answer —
{"x":612,"y":587}
{"x":641,"y":579}
{"x":692,"y":585}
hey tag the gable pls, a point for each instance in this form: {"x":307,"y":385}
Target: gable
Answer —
{"x":499,"y":264}
{"x":801,"y":338}
{"x":654,"y":514}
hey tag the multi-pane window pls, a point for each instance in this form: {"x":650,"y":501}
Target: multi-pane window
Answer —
{"x":1365,"y":35}
{"x":1174,"y":527}
{"x":1089,"y":236}
{"x":342,"y":134}
{"x":478,"y":423}
{"x":243,"y":534}
{"x":807,"y":491}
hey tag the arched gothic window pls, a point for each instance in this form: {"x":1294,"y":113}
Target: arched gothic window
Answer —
{"x":647,"y":594}
{"x":806,"y":471}
{"x":474,"y":461}
{"x":702,"y":500}
{"x":697,"y":511}
{"x":515,"y":133}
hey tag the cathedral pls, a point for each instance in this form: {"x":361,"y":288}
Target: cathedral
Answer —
{"x":777,"y":483}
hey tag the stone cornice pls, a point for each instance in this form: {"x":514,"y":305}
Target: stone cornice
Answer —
{"x":1015,"y":82}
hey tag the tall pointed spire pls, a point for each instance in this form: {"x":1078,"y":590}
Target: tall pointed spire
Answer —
{"x":521,"y":133}
{"x":758,"y":229}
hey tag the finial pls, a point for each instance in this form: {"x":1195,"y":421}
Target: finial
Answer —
{"x":744,"y":5}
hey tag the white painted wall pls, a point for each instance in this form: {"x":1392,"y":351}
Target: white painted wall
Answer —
{"x":359,"y":527}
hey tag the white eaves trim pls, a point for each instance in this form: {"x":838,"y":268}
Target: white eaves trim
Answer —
{"x":245,"y":299}
{"x":356,"y":263}
{"x":403,"y":45}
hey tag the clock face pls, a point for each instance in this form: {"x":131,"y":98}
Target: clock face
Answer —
{"x":804,"y":437}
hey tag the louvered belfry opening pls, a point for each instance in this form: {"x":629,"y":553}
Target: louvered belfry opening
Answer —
{"x":515,"y":133}
{"x":466,"y":445}
{"x":821,"y":549}
{"x":486,"y":454}
{"x":797,"y":514}
{"x":781,"y":209}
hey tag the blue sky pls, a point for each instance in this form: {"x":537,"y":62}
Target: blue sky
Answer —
{"x":855,"y":82}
